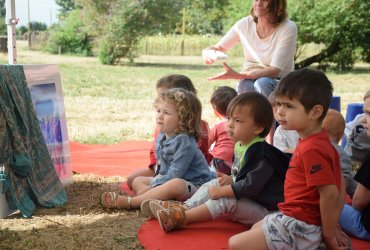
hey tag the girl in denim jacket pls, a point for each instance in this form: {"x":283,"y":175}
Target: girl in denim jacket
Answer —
{"x":181,"y":167}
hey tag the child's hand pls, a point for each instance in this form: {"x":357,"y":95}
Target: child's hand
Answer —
{"x":224,"y":179}
{"x":215,"y":192}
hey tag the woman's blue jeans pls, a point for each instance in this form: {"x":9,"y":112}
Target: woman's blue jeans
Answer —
{"x":263,"y":85}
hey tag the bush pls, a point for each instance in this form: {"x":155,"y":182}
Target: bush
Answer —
{"x":69,"y":37}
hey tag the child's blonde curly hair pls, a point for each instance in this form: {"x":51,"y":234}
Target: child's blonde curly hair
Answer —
{"x":189,"y":110}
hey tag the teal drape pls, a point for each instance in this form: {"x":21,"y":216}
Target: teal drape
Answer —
{"x":31,"y":176}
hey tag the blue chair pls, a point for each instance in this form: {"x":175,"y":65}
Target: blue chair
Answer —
{"x":353,"y":109}
{"x":335,"y":103}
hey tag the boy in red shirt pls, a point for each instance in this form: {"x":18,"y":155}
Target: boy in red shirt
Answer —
{"x":313,"y":191}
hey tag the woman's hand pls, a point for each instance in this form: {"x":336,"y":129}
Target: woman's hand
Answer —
{"x":224,"y":179}
{"x":228,"y":74}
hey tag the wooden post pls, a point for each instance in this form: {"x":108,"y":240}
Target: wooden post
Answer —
{"x":29,"y":26}
{"x":183,"y":32}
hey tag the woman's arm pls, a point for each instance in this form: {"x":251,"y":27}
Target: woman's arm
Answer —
{"x":231,"y":74}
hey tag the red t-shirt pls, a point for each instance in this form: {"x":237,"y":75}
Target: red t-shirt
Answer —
{"x":224,"y":145}
{"x":202,"y":144}
{"x":315,"y":162}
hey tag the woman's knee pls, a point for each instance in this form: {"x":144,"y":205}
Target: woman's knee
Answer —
{"x":265,"y":85}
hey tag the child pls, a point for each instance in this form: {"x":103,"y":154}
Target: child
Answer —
{"x":355,"y":219}
{"x":223,"y":148}
{"x":181,"y":166}
{"x":163,"y":84}
{"x":334,"y":124}
{"x":258,"y":172}
{"x":285,"y":140}
{"x":358,"y":143}
{"x":312,"y":188}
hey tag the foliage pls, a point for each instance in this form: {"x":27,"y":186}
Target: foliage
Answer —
{"x":70,"y":37}
{"x":2,"y":17}
{"x":342,"y":26}
{"x":66,"y":7}
{"x":118,"y":25}
{"x":205,"y":16}
{"x":34,"y":25}
{"x":2,"y":8}
{"x":235,"y":11}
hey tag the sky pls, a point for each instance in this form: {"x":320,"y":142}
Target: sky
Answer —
{"x":44,"y":11}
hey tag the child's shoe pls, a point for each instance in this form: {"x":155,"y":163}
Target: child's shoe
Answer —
{"x":150,"y":207}
{"x":171,"y":219}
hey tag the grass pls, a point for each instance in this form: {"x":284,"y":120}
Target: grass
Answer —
{"x":109,"y":104}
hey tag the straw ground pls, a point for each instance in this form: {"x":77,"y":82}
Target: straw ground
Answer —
{"x":110,"y":104}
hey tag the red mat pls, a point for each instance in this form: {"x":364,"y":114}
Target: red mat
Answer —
{"x":206,"y":235}
{"x":109,"y":160}
{"x":123,"y":158}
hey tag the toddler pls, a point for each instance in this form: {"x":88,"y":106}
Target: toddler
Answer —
{"x":163,"y":84}
{"x":181,"y":166}
{"x":334,"y":124}
{"x":355,"y":219}
{"x":258,"y":173}
{"x":223,"y":148}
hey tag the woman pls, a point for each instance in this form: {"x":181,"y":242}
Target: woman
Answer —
{"x":268,"y":39}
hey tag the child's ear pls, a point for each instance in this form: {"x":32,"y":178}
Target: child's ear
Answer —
{"x":316,"y":111}
{"x":258,"y":130}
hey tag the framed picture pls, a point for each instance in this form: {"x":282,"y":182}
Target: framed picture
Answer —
{"x":45,"y":87}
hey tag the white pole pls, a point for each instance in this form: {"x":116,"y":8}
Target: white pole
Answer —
{"x":11,"y":21}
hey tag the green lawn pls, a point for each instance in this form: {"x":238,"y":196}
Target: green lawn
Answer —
{"x":109,"y":104}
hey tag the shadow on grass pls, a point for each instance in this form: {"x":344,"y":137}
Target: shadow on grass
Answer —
{"x":82,"y":223}
{"x":176,"y":66}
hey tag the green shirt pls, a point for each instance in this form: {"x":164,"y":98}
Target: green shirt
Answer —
{"x":239,"y":153}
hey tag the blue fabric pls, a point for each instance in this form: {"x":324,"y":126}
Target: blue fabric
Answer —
{"x":180,"y":157}
{"x":350,"y":222}
{"x":263,"y":85}
{"x":30,"y":174}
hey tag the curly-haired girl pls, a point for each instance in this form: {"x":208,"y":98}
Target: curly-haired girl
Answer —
{"x":181,"y":166}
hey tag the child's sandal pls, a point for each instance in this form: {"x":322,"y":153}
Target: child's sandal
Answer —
{"x":114,"y":197}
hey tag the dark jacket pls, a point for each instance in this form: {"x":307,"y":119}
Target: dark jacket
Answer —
{"x":262,"y":176}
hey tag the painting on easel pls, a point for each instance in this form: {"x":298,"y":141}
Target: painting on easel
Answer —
{"x":45,"y":87}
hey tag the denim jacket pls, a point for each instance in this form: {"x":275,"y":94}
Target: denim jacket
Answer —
{"x":180,"y":157}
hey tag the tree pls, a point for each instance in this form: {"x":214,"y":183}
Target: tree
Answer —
{"x":342,"y":26}
{"x":2,"y":17}
{"x":66,"y":7}
{"x":205,"y":16}
{"x":118,"y":25}
{"x":70,"y":36}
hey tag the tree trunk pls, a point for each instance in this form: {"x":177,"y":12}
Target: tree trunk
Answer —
{"x":331,"y":50}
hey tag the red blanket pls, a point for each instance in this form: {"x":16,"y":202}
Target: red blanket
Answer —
{"x":120,"y":160}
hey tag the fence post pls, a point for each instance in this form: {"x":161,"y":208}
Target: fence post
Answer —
{"x":183,"y":32}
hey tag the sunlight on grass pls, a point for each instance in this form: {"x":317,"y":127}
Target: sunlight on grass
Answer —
{"x":110,"y":104}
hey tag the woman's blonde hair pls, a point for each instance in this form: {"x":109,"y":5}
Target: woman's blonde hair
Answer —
{"x":189,"y":110}
{"x":277,"y":8}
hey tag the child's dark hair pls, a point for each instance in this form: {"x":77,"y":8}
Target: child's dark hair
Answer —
{"x":310,"y":87}
{"x":221,"y":98}
{"x":260,"y":109}
{"x":176,"y":81}
{"x":189,"y":110}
